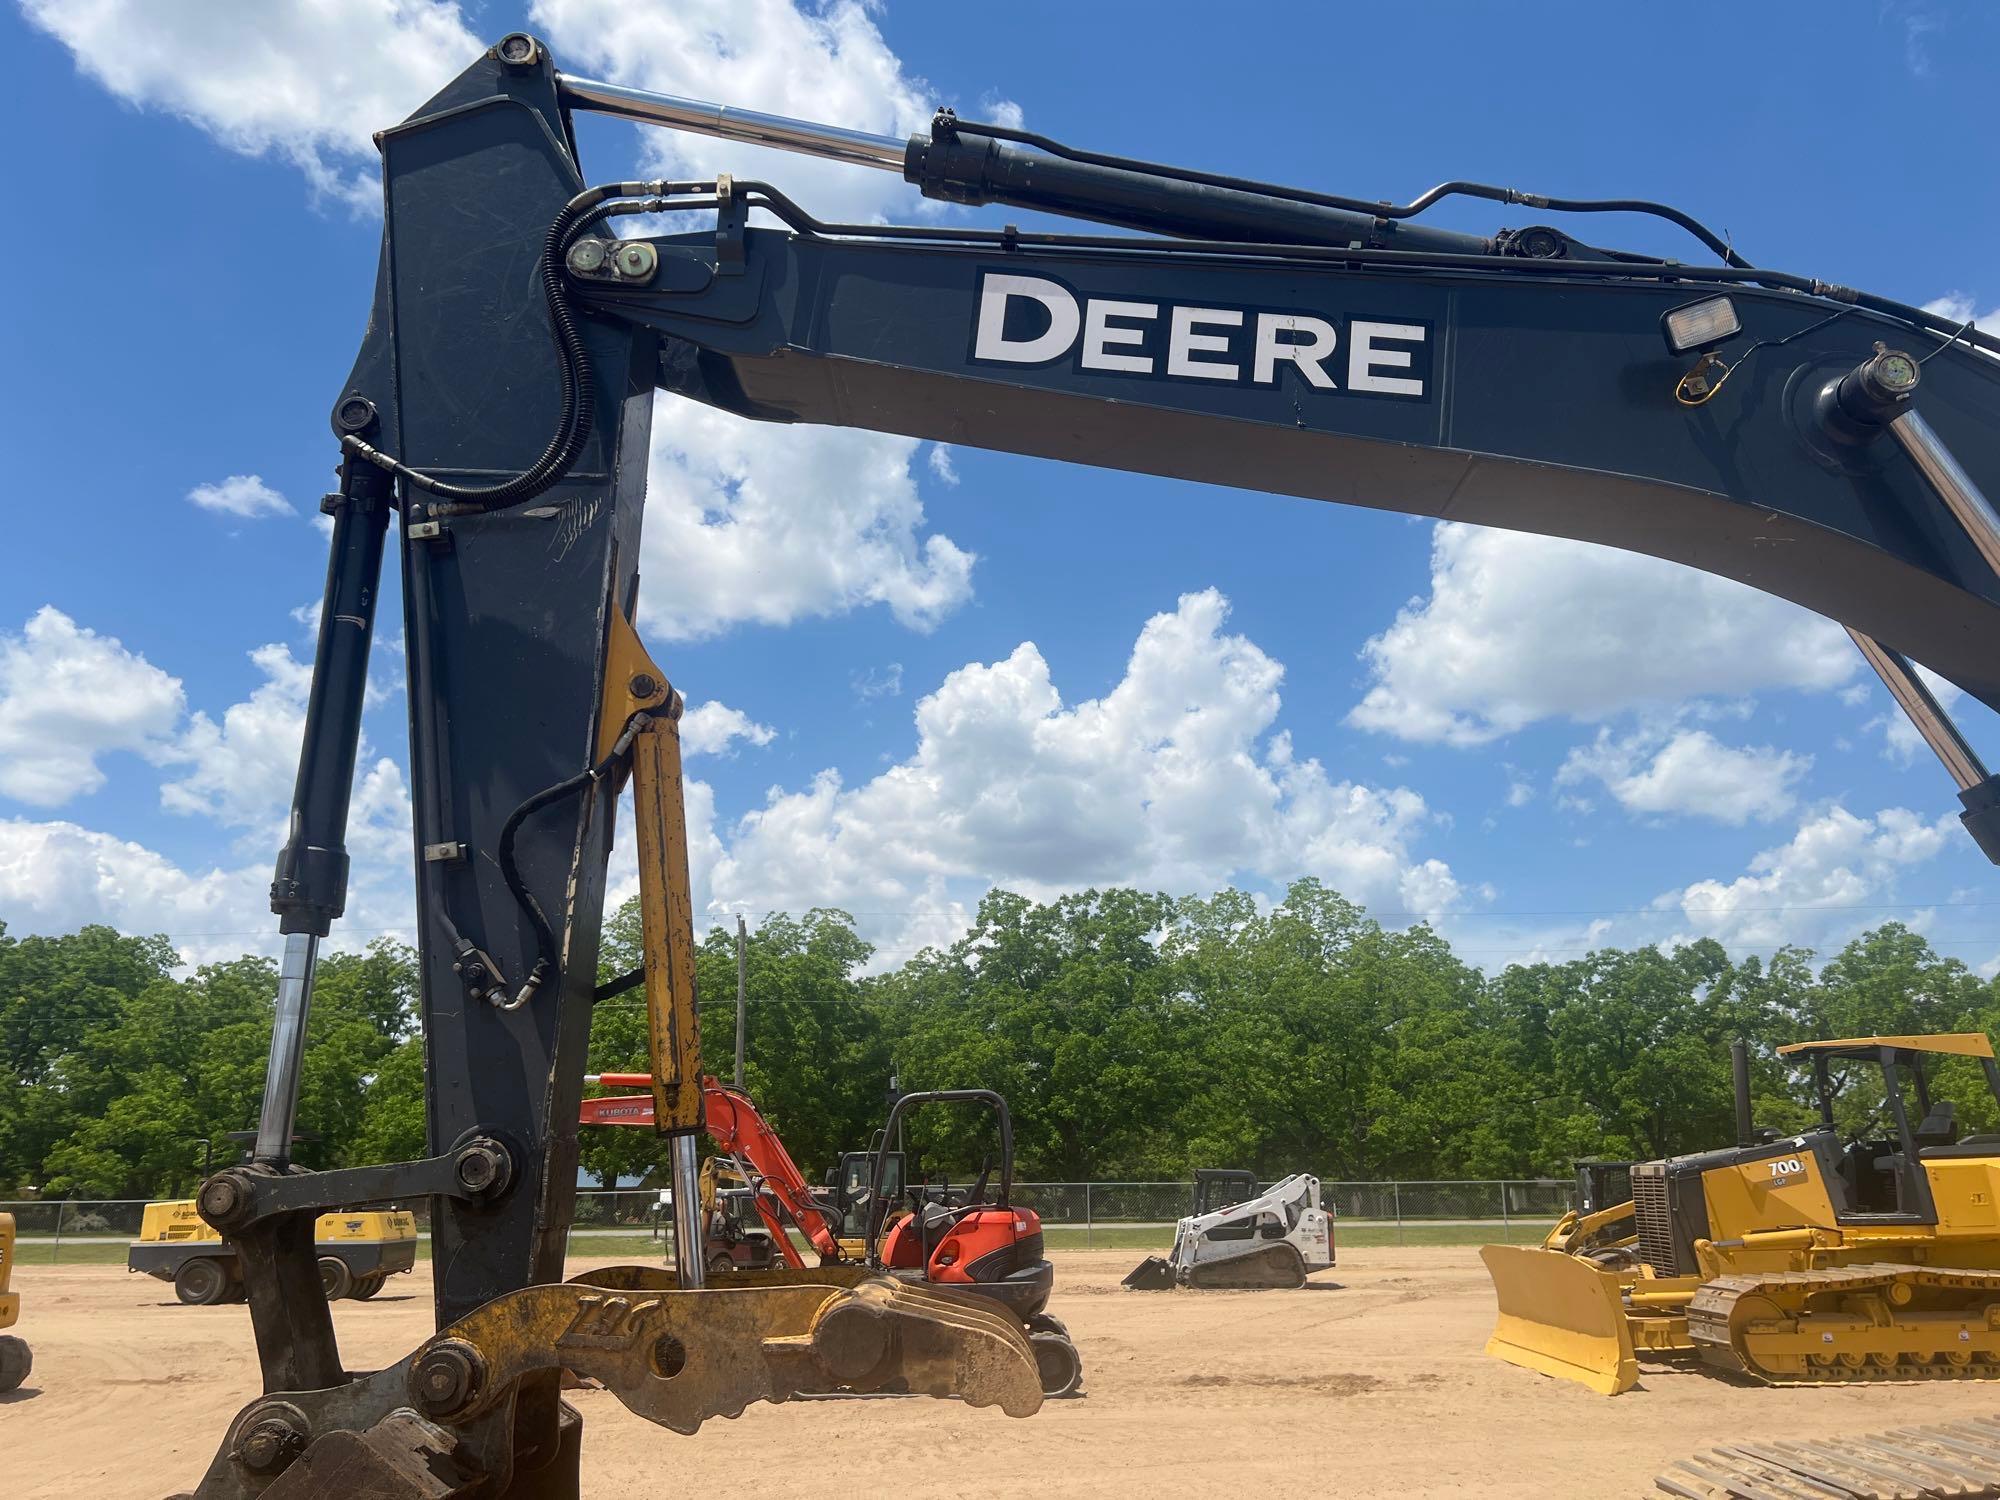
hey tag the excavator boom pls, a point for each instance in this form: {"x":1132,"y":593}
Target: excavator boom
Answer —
{"x":1816,"y":441}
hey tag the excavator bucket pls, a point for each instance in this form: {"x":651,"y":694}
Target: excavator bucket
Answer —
{"x":1560,"y":1315}
{"x":1153,"y":1274}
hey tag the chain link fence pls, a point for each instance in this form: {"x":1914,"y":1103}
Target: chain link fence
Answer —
{"x":1075,"y":1215}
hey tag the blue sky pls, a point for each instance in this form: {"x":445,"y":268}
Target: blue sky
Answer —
{"x":918,"y":672}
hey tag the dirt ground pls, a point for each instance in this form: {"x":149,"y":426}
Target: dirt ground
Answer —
{"x":1370,"y":1381}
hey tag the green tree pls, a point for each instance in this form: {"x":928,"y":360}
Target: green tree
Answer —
{"x":1069,"y":1010}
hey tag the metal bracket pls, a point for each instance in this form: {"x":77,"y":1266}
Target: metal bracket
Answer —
{"x":436,"y":533}
{"x":236,"y":1200}
{"x":633,"y":684}
{"x":732,"y":214}
{"x":438,"y":854}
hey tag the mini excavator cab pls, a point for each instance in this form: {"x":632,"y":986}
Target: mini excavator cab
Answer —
{"x":860,"y":1206}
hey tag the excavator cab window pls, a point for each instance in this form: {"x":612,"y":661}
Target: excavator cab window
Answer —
{"x":851,"y":1188}
{"x":1218,"y":1188}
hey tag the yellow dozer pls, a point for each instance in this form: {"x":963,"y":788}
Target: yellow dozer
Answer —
{"x":1816,"y":1259}
{"x":15,"y":1360}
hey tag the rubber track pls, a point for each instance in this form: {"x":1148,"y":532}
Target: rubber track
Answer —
{"x":1958,"y":1459}
{"x":1268,"y":1268}
{"x":1709,"y":1316}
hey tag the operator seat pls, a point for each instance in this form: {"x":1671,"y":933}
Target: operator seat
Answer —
{"x":1940,"y":1126}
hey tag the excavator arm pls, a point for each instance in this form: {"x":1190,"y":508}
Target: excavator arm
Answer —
{"x":1815,"y":441}
{"x":740,"y":1131}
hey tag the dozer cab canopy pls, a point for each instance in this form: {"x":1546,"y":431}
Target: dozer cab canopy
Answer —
{"x":1936,"y":1125}
{"x":1869,"y":1048}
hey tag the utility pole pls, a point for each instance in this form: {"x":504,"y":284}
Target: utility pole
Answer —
{"x":739,"y":998}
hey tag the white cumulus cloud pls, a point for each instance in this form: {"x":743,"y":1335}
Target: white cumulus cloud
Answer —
{"x":308,"y":83}
{"x":1962,"y":308}
{"x":244,"y":766}
{"x":57,"y":876}
{"x":713,"y":727}
{"x":1806,"y":889}
{"x":826,"y":62}
{"x":1688,"y":772}
{"x":1519,"y":628}
{"x":244,"y":495}
{"x":751,"y":522}
{"x":68,"y":696}
{"x":1174,"y":779}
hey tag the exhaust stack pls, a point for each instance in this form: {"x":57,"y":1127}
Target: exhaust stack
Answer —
{"x":1739,"y":1065}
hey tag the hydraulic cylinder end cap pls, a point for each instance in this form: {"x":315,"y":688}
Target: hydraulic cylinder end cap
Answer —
{"x":637,"y":260}
{"x":1889,"y":376}
{"x":223,"y":1199}
{"x":1858,"y":406}
{"x":518,"y":50}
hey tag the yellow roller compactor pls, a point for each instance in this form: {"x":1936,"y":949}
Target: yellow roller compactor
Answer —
{"x":1822,"y":1258}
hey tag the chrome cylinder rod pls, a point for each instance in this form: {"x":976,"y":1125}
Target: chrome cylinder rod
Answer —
{"x":1954,"y":486}
{"x":690,"y":1244}
{"x":1923,"y":709}
{"x":288,"y":1048}
{"x":856,"y":147}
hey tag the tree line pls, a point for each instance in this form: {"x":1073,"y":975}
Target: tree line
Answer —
{"x":1135,"y":1036}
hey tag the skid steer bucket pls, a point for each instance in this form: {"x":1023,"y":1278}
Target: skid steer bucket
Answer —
{"x":1153,"y":1274}
{"x":1562,"y":1316}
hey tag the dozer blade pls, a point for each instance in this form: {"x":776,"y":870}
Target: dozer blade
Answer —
{"x":1560,"y":1315}
{"x":1153,"y":1274}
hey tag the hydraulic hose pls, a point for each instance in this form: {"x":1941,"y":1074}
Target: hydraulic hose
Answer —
{"x":548,"y":959}
{"x":578,"y":390}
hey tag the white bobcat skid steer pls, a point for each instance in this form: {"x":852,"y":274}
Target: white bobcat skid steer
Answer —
{"x":1273,"y":1240}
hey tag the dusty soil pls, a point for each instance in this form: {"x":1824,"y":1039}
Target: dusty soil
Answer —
{"x":1371,"y":1381}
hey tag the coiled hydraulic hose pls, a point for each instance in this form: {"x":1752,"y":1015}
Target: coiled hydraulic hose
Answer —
{"x":578,"y":391}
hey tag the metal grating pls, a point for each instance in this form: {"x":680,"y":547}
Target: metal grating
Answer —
{"x":1960,"y":1460}
{"x":1654,"y":1216}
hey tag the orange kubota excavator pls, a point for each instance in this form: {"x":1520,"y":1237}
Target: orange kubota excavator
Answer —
{"x":950,"y":1237}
